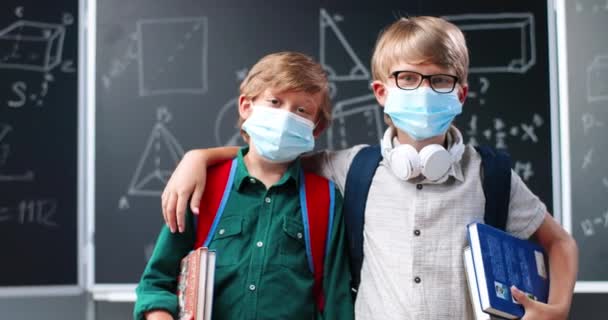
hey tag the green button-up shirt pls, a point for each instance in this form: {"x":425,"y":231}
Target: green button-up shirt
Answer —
{"x":261,"y":269}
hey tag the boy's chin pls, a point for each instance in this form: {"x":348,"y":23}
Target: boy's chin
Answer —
{"x":438,"y":139}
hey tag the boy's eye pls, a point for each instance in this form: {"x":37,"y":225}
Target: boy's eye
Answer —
{"x":274,"y":102}
{"x":302,"y":110}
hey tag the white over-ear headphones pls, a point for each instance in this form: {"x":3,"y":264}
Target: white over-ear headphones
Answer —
{"x":433,"y":161}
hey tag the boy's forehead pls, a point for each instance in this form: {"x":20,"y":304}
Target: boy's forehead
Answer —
{"x":294,"y":94}
{"x":421,"y":67}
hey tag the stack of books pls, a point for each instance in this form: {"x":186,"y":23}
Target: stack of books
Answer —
{"x":495,"y":261}
{"x":195,"y":285}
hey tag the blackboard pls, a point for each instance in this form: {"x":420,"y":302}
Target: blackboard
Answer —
{"x":39,"y":152}
{"x":587,"y":150}
{"x":168,"y":74}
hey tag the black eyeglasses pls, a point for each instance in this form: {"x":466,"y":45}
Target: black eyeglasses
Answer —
{"x":410,"y":80}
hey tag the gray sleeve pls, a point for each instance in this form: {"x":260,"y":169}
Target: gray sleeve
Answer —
{"x":332,"y":165}
{"x":526,"y":210}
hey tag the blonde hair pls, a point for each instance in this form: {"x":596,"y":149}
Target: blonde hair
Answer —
{"x":289,"y":71}
{"x":418,"y":40}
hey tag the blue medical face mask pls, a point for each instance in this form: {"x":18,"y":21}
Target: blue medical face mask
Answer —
{"x":422,"y":113}
{"x":279,"y":135}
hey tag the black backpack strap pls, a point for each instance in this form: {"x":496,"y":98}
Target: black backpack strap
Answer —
{"x":358,"y":181}
{"x":496,"y":185}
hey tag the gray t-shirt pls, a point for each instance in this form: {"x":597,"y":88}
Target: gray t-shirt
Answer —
{"x":415,"y":234}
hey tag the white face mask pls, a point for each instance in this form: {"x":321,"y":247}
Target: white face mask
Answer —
{"x":279,"y":135}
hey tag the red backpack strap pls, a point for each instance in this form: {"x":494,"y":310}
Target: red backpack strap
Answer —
{"x":217,"y":191}
{"x":317,"y":196}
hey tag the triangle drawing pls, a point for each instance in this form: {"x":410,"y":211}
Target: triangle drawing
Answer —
{"x":336,"y":55}
{"x":156,"y":164}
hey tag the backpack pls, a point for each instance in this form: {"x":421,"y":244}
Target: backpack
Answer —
{"x":317,"y":197}
{"x":496,"y":188}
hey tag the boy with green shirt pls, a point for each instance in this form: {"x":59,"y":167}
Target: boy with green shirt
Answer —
{"x":262,"y":269}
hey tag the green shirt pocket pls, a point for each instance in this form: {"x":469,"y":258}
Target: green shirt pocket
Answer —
{"x":227,"y":240}
{"x":292,"y":252}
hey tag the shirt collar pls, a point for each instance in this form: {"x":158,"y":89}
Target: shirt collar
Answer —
{"x":242,"y":178}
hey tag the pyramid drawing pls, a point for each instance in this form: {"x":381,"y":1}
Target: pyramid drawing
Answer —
{"x":156,"y":164}
{"x":336,"y":55}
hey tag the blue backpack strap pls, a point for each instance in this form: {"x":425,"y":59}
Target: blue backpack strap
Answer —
{"x":496,"y":185}
{"x":220,"y":178}
{"x":358,"y":181}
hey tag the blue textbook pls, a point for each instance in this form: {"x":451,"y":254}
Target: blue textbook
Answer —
{"x":500,"y":261}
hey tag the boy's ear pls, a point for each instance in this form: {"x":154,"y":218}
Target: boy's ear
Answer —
{"x":380,"y":91}
{"x":462,"y":93}
{"x":245,"y":107}
{"x":319,"y":128}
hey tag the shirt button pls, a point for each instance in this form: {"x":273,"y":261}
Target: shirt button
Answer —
{"x":259,"y":244}
{"x":299,"y":235}
{"x":419,"y":186}
{"x":417,"y":279}
{"x":222,"y":231}
{"x":252,"y":180}
{"x":252,"y":287}
{"x":267,"y":200}
{"x":416,"y":232}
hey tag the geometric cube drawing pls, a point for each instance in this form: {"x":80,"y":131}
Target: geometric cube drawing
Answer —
{"x":514,"y":53}
{"x":172,"y":56}
{"x":29,"y":45}
{"x":336,"y":54}
{"x":360,"y":114}
{"x":597,"y":79}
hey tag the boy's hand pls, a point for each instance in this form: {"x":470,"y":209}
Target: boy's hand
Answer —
{"x":158,"y":315}
{"x":535,"y":310}
{"x":188,"y":179}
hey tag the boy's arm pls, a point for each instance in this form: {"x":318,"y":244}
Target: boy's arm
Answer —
{"x":528,"y":218}
{"x":158,"y":285}
{"x":563,"y":265}
{"x":188,"y":180}
{"x":336,"y":280}
{"x":330,"y":164}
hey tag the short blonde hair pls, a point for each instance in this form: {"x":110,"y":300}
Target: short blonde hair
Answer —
{"x":421,"y":39}
{"x":289,"y":71}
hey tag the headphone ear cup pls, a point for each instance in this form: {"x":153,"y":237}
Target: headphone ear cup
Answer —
{"x":436,"y":161}
{"x":413,"y":159}
{"x":404,"y":162}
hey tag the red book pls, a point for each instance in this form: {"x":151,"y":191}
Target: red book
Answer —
{"x":195,"y":285}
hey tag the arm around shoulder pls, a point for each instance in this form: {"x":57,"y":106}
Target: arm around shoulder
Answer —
{"x":330,"y":164}
{"x":188,"y":182}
